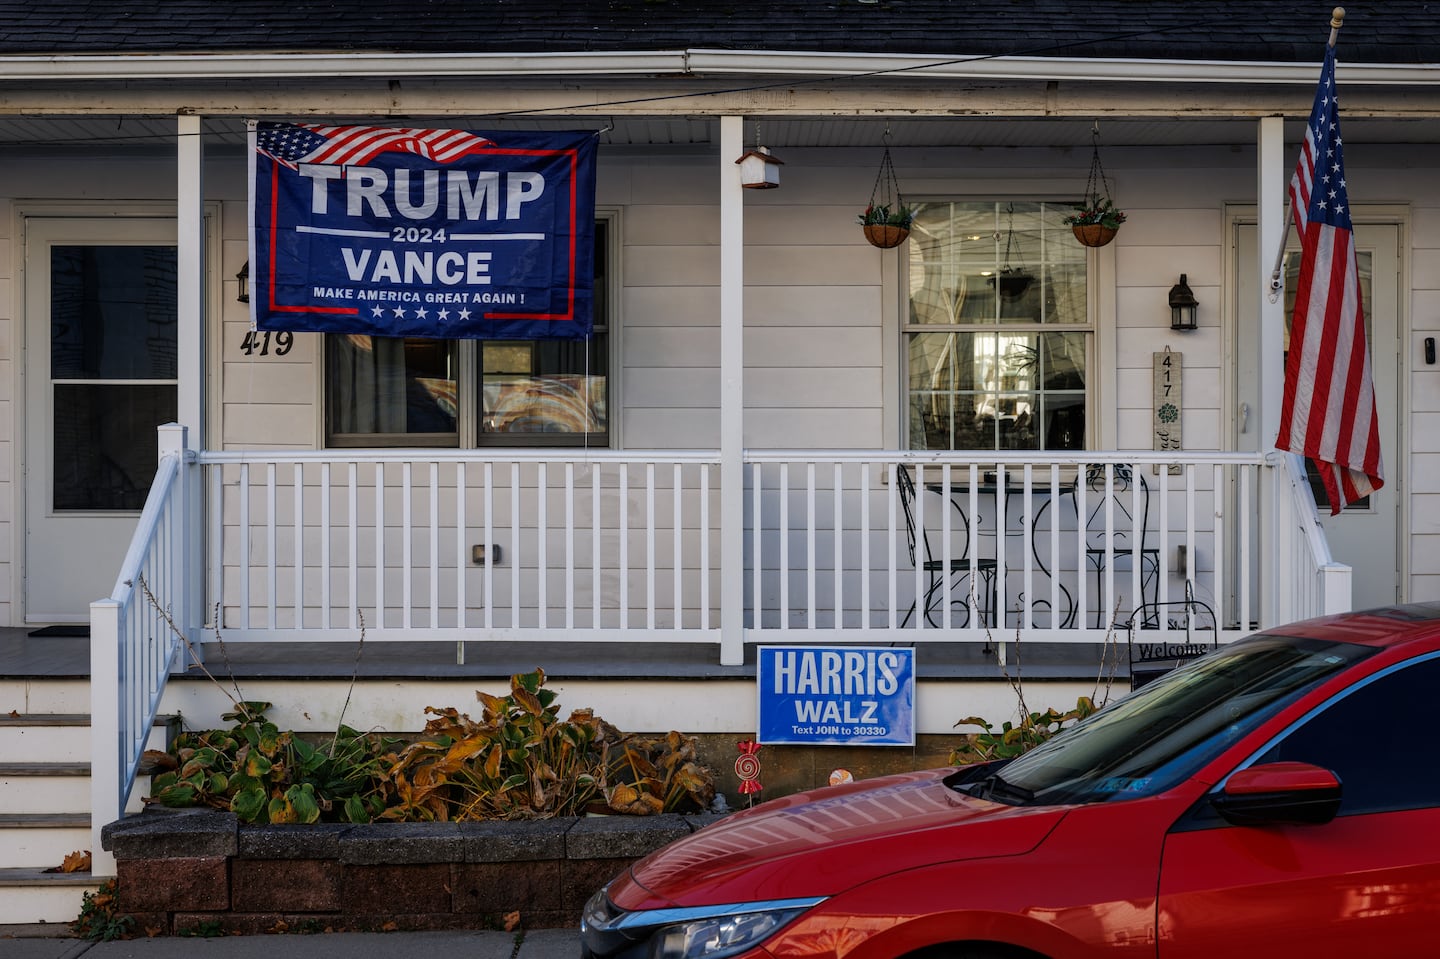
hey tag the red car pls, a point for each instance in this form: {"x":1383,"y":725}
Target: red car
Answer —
{"x":1277,"y":798}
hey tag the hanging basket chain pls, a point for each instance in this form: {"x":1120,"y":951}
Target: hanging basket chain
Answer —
{"x":1009,"y":242}
{"x":1096,"y":218}
{"x":886,"y":220}
{"x":886,"y":192}
{"x":1097,"y":186}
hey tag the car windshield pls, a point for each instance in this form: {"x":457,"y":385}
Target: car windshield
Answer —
{"x":1154,"y":738}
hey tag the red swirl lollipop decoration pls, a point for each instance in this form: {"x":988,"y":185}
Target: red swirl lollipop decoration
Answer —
{"x":747,"y":767}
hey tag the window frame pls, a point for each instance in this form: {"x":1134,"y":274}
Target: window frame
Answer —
{"x":1089,"y":330}
{"x":468,"y":434}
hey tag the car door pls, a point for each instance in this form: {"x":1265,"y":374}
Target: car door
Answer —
{"x":1366,"y":883}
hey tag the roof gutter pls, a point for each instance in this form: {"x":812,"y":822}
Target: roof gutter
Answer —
{"x":694,"y":62}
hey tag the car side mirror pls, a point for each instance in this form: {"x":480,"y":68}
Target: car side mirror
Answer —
{"x":1274,"y":793}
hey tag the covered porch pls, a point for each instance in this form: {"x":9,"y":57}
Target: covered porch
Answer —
{"x":299,"y":550}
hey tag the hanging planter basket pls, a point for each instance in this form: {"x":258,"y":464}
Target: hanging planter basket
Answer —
{"x":1011,"y":281}
{"x":1096,"y":219}
{"x":1093,"y":234}
{"x":886,"y":220}
{"x":885,"y":236}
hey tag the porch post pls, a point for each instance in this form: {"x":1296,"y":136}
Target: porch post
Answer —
{"x":105,"y":729}
{"x":190,"y":275}
{"x":1270,"y":232}
{"x":732,"y":396}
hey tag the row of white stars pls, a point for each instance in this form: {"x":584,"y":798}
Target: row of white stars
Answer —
{"x":420,"y":313}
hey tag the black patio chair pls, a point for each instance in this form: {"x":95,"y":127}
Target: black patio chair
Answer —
{"x":956,"y":572}
{"x":1117,"y":493}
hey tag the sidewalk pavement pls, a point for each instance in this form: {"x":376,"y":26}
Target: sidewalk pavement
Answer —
{"x":31,"y":942}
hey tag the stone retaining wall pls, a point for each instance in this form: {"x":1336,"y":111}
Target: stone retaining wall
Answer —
{"x":193,"y":871}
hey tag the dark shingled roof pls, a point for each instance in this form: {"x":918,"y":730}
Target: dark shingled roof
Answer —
{"x":1395,"y":31}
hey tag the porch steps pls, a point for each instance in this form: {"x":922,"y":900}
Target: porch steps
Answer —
{"x":45,"y":805}
{"x":33,"y":895}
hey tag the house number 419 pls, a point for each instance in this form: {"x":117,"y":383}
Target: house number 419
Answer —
{"x":260,"y":340}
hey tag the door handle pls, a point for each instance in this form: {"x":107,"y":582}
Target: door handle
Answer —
{"x":1244,"y":417}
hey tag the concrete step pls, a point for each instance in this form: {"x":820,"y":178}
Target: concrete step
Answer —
{"x":44,"y":787}
{"x":44,"y":695}
{"x":41,"y":840}
{"x":64,"y":737}
{"x":57,"y":787}
{"x":35,"y":896}
{"x":45,"y":800}
{"x":45,"y":738}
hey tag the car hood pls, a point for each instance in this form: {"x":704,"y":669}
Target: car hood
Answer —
{"x":823,"y":842}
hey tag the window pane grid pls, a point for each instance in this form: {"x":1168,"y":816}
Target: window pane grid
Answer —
{"x":547,"y":393}
{"x":998,"y":333}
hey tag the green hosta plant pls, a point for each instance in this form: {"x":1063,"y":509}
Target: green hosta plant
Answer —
{"x":518,"y":761}
{"x":663,"y":774}
{"x":521,"y":761}
{"x":265,"y":775}
{"x":1011,"y":740}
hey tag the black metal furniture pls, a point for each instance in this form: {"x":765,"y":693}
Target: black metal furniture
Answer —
{"x":946,"y":579}
{"x":1116,"y":521}
{"x":1150,"y":659}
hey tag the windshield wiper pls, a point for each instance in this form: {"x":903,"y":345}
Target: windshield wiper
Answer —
{"x":994,"y":786}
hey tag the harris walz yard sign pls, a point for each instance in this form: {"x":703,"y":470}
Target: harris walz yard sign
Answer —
{"x":842,"y":695}
{"x":411,"y":232}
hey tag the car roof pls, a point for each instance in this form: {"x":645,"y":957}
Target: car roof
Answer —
{"x":1384,"y":626}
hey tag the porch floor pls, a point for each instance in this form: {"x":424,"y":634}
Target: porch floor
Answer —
{"x":23,"y":656}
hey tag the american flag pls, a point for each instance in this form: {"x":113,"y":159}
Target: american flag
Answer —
{"x":1328,"y":413}
{"x":294,"y":143}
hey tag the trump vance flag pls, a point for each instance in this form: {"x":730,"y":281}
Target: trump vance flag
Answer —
{"x":418,"y":232}
{"x":1328,"y":414}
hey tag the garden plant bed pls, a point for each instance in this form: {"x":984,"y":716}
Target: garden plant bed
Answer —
{"x":202,"y":871}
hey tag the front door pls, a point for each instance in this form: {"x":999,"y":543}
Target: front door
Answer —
{"x":1365,"y":536}
{"x":100,"y":376}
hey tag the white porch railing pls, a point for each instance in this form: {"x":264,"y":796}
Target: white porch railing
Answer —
{"x":132,"y":646}
{"x":624,"y":546}
{"x":832,"y":549}
{"x":1317,"y":585}
{"x":450,"y":545}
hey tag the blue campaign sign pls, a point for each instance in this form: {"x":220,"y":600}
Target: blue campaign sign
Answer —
{"x":842,"y":695}
{"x":417,"y":232}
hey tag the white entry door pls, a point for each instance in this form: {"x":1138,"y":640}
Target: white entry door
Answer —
{"x":100,"y":376}
{"x":1365,"y":535}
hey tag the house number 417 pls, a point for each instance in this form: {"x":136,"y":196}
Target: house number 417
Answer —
{"x":260,"y":340}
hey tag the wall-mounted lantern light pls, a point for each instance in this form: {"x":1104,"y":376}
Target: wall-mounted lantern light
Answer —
{"x":759,"y":170}
{"x":1182,"y":306}
{"x":243,"y":293}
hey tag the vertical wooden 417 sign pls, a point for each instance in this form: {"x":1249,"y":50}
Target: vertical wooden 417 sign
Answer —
{"x":1168,"y":379}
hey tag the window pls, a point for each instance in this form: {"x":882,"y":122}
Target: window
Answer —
{"x":416,"y":392}
{"x":998,"y":335}
{"x":1361,"y":738}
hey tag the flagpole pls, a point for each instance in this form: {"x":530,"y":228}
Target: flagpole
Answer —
{"x":1337,"y":20}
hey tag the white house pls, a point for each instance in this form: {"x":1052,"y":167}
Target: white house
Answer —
{"x":780,"y":433}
